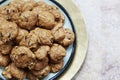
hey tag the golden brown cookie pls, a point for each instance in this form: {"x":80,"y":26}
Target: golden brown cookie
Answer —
{"x":11,"y":71}
{"x":40,"y":64}
{"x":42,"y":4}
{"x":42,"y":73}
{"x":3,"y":12}
{"x":69,"y":38}
{"x":59,"y":17}
{"x":30,"y":41}
{"x":30,"y":76}
{"x":22,"y":57}
{"x":22,"y":33}
{"x":57,"y":52}
{"x":42,"y":52}
{"x":58,"y":32}
{"x":45,"y":37}
{"x":17,"y":4}
{"x":45,"y":20}
{"x":55,"y":67}
{"x":27,"y":20}
{"x":28,"y":5}
{"x":8,"y":31}
{"x":6,"y":48}
{"x":4,"y":60}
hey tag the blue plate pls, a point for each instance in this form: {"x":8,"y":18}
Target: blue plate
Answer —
{"x":70,"y":50}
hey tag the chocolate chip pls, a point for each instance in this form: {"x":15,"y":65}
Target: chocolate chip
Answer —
{"x":8,"y":11}
{"x":20,"y":14}
{"x":26,"y":37}
{"x":9,"y":36}
{"x":1,"y":35}
{"x":13,"y":11}
{"x":29,"y":43}
{"x":69,"y":38}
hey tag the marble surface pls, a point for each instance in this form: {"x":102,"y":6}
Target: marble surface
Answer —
{"x":102,"y":18}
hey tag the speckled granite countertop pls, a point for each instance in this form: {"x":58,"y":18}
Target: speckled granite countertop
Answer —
{"x":102,"y":18}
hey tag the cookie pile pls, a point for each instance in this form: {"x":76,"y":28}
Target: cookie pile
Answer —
{"x":33,"y":40}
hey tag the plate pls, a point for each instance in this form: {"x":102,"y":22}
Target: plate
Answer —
{"x":70,"y":50}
